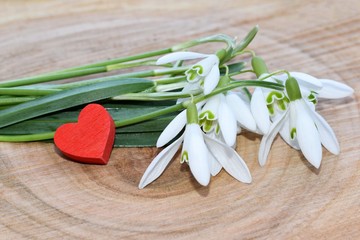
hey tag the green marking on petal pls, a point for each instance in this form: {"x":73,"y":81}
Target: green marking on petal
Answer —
{"x":184,"y":157}
{"x":274,"y":95}
{"x":312,"y":98}
{"x":217,"y":129}
{"x":207,"y":125}
{"x":276,"y":98}
{"x":209,"y":115}
{"x":271,"y":109}
{"x":193,"y":73}
{"x":293,"y":133}
{"x":198,"y":68}
{"x":282,"y":104}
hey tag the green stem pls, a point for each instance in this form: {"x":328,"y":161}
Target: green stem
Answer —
{"x":27,"y":91}
{"x":27,"y":138}
{"x":241,"y":72}
{"x":52,"y":77}
{"x":145,"y":62}
{"x":125,"y":59}
{"x":100,"y":67}
{"x":167,"y":80}
{"x":5,"y":101}
{"x":141,"y":74}
{"x":214,"y":38}
{"x":251,"y":52}
{"x":237,"y":84}
{"x":156,"y":96}
{"x":149,"y":116}
{"x":275,"y":73}
{"x":170,"y":86}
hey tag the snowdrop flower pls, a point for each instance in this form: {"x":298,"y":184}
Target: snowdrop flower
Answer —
{"x":304,"y":126}
{"x":266,"y":105}
{"x":312,"y":87}
{"x":206,"y":70}
{"x":205,"y":155}
{"x":223,"y":113}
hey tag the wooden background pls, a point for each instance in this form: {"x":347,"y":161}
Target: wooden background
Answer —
{"x":44,"y":196}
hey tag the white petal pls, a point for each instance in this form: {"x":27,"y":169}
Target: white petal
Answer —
{"x":211,"y":105}
{"x":177,"y":56}
{"x":281,"y":77}
{"x":242,"y":94}
{"x":307,"y":134}
{"x":327,"y":135}
{"x":172,"y":129}
{"x":241,"y":111}
{"x":306,"y":80}
{"x":260,"y":111}
{"x":268,"y":79}
{"x":198,"y":153}
{"x":207,"y":64}
{"x":158,"y":165}
{"x":211,"y":80}
{"x":268,"y":138}
{"x":334,"y":90}
{"x":285,"y":134}
{"x":227,"y":122}
{"x":229,"y":159}
{"x":189,"y":87}
{"x":215,"y":166}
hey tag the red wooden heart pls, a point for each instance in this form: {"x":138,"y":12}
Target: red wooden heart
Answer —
{"x":91,"y":139}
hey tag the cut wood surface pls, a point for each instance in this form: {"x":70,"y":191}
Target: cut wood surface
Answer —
{"x":43,"y":195}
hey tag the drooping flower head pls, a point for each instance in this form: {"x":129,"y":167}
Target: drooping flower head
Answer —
{"x":204,"y":155}
{"x":224,"y":114}
{"x":206,"y":70}
{"x":267,"y":105}
{"x":302,"y":127}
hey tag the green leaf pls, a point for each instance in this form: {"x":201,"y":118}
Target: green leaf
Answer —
{"x":70,"y":98}
{"x":143,"y":139}
{"x":247,"y":40}
{"x":143,"y":134}
{"x":236,"y":67}
{"x":123,"y":111}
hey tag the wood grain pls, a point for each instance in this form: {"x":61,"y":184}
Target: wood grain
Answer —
{"x":45,"y":196}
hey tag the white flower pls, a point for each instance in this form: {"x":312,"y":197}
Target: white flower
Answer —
{"x":206,"y":156}
{"x":322,"y":88}
{"x":206,"y":70}
{"x":302,"y":127}
{"x":196,"y":154}
{"x":223,"y":113}
{"x":266,"y":103}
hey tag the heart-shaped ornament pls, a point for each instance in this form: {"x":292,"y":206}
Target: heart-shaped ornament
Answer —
{"x":91,"y":139}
